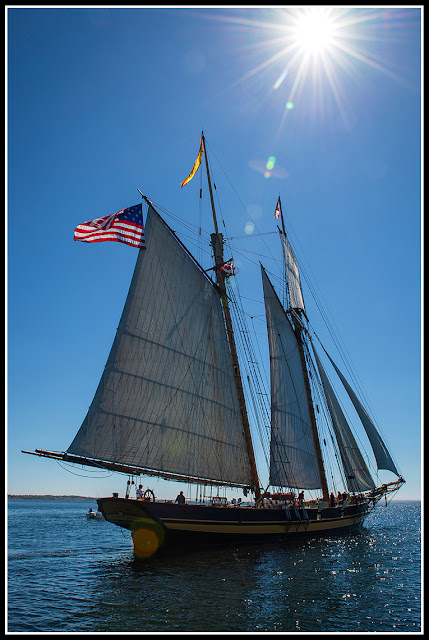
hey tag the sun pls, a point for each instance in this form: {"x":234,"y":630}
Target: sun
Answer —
{"x":314,"y":31}
{"x":310,"y":55}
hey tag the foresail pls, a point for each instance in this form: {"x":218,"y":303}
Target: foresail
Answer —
{"x":296,"y":299}
{"x":382,"y":456}
{"x":293,"y":458}
{"x":167,"y":399}
{"x":357,"y":474}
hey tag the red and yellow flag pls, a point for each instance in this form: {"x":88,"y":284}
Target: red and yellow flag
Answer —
{"x":196,"y":165}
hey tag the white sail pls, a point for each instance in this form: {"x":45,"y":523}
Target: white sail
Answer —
{"x":382,"y":456}
{"x":167,"y":399}
{"x":293,"y":459}
{"x":357,"y":474}
{"x":296,"y":299}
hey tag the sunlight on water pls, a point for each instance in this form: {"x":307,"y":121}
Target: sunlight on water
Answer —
{"x":83,"y":576}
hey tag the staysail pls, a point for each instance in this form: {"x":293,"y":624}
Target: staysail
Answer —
{"x":358,"y":476}
{"x":167,"y":399}
{"x":382,"y":455}
{"x":293,"y":458}
{"x":296,"y":299}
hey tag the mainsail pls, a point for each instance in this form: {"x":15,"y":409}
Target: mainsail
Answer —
{"x":357,"y":474}
{"x":382,"y":456}
{"x":167,"y":399}
{"x":293,"y":458}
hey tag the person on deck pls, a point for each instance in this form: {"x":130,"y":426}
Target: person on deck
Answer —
{"x":332,"y":500}
{"x":180,"y":498}
{"x":301,"y":498}
{"x":139,"y":492}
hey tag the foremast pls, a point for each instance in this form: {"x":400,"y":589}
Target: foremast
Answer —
{"x":217,"y":245}
{"x":299,"y":330}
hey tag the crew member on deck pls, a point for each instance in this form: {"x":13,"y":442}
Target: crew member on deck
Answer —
{"x":139,"y":492}
{"x":180,"y":498}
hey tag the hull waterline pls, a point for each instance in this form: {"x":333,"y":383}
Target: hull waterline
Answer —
{"x":166,"y":523}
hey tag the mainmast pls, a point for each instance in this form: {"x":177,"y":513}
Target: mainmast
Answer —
{"x":299,"y":333}
{"x":217,"y":245}
{"x":298,"y":330}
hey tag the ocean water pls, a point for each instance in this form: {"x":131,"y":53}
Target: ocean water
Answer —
{"x":70,"y":574}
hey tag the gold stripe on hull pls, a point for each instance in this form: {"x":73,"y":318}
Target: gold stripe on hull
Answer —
{"x":266,"y":528}
{"x":210,"y":526}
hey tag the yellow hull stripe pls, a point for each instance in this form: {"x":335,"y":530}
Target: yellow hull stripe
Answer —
{"x":301,"y":526}
{"x":213,"y":526}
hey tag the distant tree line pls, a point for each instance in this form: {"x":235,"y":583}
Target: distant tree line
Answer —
{"x":47,"y":497}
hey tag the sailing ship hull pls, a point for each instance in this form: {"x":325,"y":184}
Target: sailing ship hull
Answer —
{"x":172,"y":523}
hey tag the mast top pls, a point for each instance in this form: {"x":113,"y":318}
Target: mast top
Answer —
{"x":203,"y":141}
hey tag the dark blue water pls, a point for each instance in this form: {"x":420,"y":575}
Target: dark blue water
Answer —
{"x":70,"y":574}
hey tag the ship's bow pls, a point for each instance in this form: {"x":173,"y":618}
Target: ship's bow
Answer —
{"x":148,"y":533}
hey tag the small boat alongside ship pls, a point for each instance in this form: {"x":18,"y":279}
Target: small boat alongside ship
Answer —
{"x":94,"y":515}
{"x":171,"y":403}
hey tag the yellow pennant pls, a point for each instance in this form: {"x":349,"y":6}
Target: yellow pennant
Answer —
{"x":196,"y":165}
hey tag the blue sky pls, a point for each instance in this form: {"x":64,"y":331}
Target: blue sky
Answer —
{"x":105,"y":101}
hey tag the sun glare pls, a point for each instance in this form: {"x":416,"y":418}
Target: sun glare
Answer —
{"x":319,"y":48}
{"x":314,"y":31}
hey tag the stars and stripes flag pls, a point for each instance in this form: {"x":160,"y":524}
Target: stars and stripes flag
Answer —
{"x":125,"y":226}
{"x":277,"y":211}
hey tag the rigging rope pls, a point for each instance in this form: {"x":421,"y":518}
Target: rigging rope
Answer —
{"x":253,"y":380}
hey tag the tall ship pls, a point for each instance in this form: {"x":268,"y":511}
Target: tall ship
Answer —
{"x":172,"y":403}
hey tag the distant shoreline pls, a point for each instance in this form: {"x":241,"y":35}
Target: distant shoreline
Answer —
{"x":48,"y":497}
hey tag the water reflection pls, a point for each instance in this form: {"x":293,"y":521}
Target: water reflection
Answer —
{"x":317,"y":584}
{"x":86,"y":578}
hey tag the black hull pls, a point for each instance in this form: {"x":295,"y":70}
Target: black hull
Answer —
{"x":158,"y":524}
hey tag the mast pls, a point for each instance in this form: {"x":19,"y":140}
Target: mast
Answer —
{"x":217,"y":245}
{"x":281,"y":215}
{"x":298,"y":333}
{"x":279,"y":205}
{"x":298,"y":330}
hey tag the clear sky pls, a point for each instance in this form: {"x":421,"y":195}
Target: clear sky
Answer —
{"x":104,"y":101}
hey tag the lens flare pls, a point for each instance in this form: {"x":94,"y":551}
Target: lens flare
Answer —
{"x":271,"y":162}
{"x":282,"y":77}
{"x":146,"y":541}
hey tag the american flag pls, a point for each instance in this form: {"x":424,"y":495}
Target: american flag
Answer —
{"x":125,"y":226}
